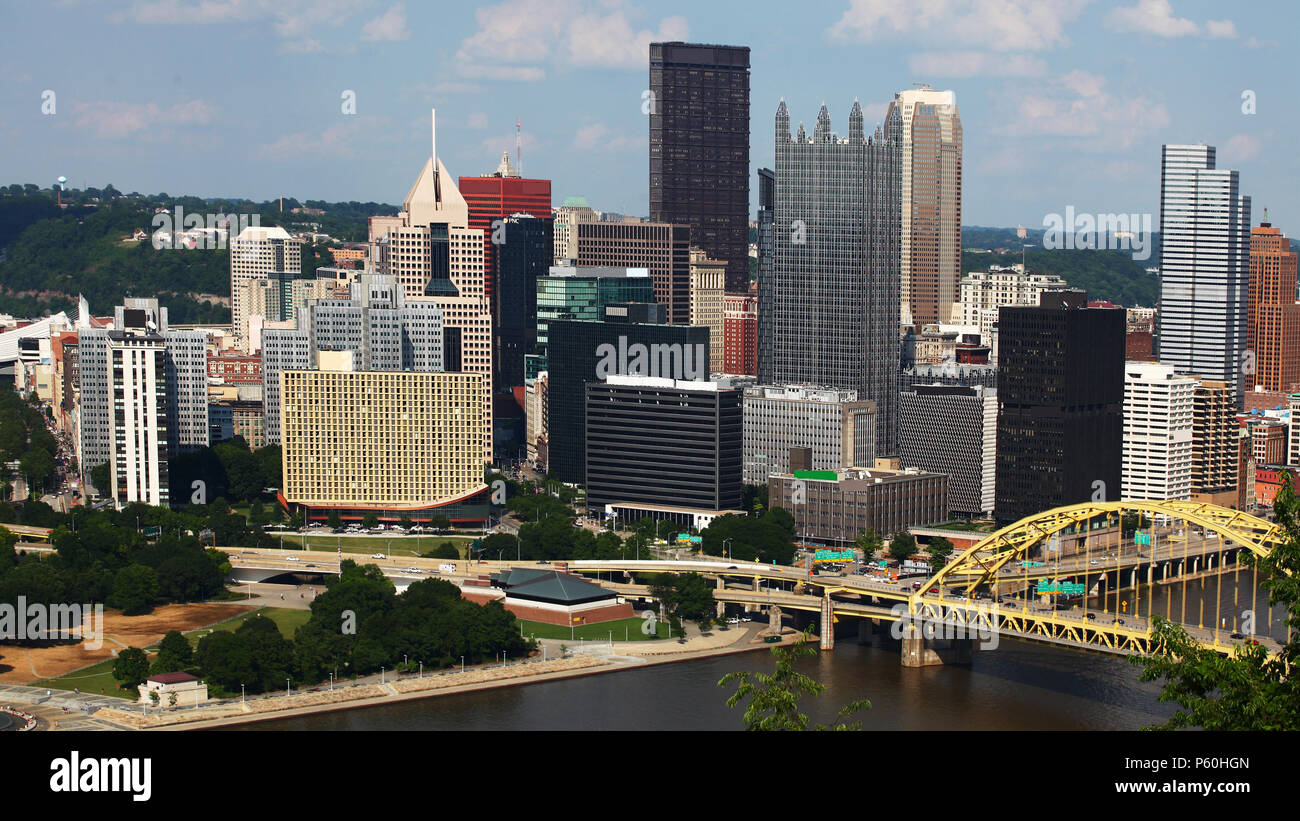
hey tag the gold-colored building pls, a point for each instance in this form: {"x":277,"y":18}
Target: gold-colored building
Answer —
{"x":380,"y":440}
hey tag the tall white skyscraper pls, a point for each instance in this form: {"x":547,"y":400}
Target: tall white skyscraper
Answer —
{"x":143,"y":398}
{"x":931,"y":140}
{"x":254,"y":255}
{"x":1158,"y":419}
{"x":1204,"y":266}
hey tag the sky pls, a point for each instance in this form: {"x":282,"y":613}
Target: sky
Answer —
{"x":1064,"y":103}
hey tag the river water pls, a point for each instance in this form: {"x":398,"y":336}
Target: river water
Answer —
{"x":1017,"y":686}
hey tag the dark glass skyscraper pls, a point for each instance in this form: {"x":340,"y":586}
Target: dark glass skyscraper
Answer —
{"x":1061,"y":397}
{"x":523,"y":258}
{"x":699,"y":148}
{"x":829,"y":300}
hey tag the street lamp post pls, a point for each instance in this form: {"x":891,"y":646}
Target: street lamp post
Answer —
{"x":462,"y":664}
{"x":241,"y":692}
{"x":286,"y":688}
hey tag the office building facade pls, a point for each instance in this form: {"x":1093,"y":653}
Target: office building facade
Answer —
{"x":838,"y":430}
{"x":258,"y":253}
{"x":835,"y":511}
{"x":699,"y":148}
{"x":663,"y":248}
{"x":929,"y":129}
{"x":1060,"y":405}
{"x":828,"y":304}
{"x":953,"y":429}
{"x":1273,"y":315}
{"x":1204,"y":266}
{"x":663,"y":441}
{"x":1159,"y":412}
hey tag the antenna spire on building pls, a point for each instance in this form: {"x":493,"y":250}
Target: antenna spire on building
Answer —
{"x":519,"y":148}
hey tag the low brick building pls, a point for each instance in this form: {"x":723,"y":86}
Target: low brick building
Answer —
{"x":552,"y":597}
{"x":188,"y":690}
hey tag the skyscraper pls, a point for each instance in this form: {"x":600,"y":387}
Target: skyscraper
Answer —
{"x":434,"y":254}
{"x":1061,"y":405}
{"x":1158,"y":423}
{"x":929,"y":129}
{"x":699,"y":148}
{"x":663,"y":248}
{"x":523,"y":256}
{"x":952,"y":429}
{"x":1273,"y":317}
{"x":494,"y":197}
{"x":1204,"y":265}
{"x":258,"y":253}
{"x":828,"y":312}
{"x":143,"y":399}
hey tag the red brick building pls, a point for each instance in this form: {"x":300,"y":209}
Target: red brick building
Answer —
{"x":1272,"y":314}
{"x":234,"y":368}
{"x":740,"y":334}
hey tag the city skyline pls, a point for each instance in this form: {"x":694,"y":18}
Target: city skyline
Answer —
{"x":1044,"y":94}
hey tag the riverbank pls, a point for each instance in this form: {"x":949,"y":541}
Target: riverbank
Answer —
{"x":583,"y":661}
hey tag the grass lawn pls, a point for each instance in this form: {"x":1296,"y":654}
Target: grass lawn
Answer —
{"x":287,"y":620}
{"x":97,"y":680}
{"x":623,"y":630}
{"x":368,"y":545}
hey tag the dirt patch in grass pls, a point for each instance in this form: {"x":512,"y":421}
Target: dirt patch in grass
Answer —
{"x":28,"y":664}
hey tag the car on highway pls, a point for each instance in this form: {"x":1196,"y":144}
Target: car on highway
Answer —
{"x":311,"y":565}
{"x":378,"y":556}
{"x":412,"y":570}
{"x":292,"y":559}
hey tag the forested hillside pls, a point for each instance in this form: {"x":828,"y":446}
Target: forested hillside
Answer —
{"x":50,"y":255}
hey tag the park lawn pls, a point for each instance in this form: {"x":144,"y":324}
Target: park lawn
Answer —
{"x":96,"y":679}
{"x":623,"y":630}
{"x":286,"y":619}
{"x":368,"y":545}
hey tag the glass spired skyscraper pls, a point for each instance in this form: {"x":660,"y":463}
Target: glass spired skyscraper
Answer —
{"x":1204,"y":266}
{"x":830,"y":295}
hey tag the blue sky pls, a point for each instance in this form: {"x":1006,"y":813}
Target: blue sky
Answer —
{"x":1063,"y":102}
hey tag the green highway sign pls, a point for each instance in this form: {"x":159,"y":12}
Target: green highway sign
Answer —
{"x":833,"y":556}
{"x":1143,"y":539}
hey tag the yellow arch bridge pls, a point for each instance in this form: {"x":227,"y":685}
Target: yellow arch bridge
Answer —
{"x":1090,"y":575}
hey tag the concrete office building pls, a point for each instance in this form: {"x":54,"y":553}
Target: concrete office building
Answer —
{"x":708,"y":277}
{"x":258,"y":253}
{"x":143,"y":398}
{"x":387,"y":331}
{"x":953,"y":429}
{"x":929,"y":129}
{"x":573,"y":211}
{"x":1061,"y":405}
{"x":663,"y":248}
{"x":828,"y":303}
{"x":396,"y":443}
{"x":579,"y":352}
{"x":1216,"y":443}
{"x":1204,"y":266}
{"x":839,"y":430}
{"x":984,"y":292}
{"x":699,"y":148}
{"x":663,"y":441}
{"x":1158,"y":423}
{"x":834,"y":507}
{"x":434,"y":254}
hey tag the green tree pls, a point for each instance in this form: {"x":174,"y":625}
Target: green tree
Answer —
{"x":1249,"y":689}
{"x":334,"y":520}
{"x":902,"y":546}
{"x":100,"y":479}
{"x":370,"y":521}
{"x":773,"y":698}
{"x":135,"y":589}
{"x":939,"y":550}
{"x":686,"y":596}
{"x":131,"y":667}
{"x":175,"y":648}
{"x":868,"y":542}
{"x":446,"y":550}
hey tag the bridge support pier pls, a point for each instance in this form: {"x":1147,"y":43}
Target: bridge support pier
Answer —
{"x":827,"y":624}
{"x":774,"y":618}
{"x":721,"y":608}
{"x":919,"y":651}
{"x":866,"y":631}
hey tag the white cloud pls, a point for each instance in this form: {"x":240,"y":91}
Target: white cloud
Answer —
{"x":974,"y":64}
{"x":596,"y":136}
{"x":1077,"y":104}
{"x":1000,"y":25}
{"x":1241,"y":148}
{"x":477,"y":120}
{"x":517,"y":39}
{"x":111,"y":119}
{"x":1157,"y":17}
{"x":388,"y":27}
{"x":293,"y":20}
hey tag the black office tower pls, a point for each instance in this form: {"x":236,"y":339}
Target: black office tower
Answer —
{"x":1061,"y":405}
{"x":581,"y":351}
{"x":663,"y":444}
{"x":699,"y":148}
{"x":524,"y":255}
